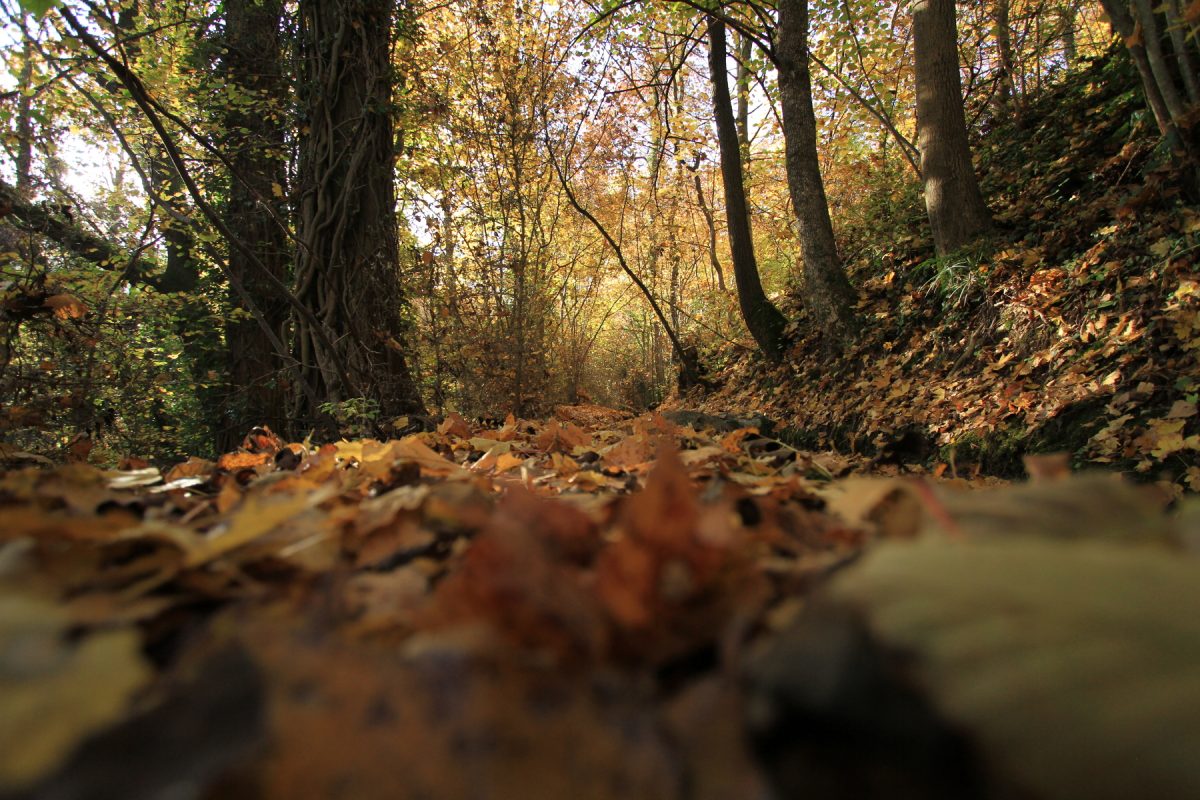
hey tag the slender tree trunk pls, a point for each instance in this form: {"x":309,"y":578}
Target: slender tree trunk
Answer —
{"x":1185,"y":60}
{"x":1166,"y":63}
{"x":714,"y":261}
{"x":1006,"y":69}
{"x":743,"y":95}
{"x":24,"y":155}
{"x":256,"y":147}
{"x":762,"y":318}
{"x":957,"y":212}
{"x":827,"y":291}
{"x":1070,"y":48}
{"x":347,"y":262}
{"x":688,"y":363}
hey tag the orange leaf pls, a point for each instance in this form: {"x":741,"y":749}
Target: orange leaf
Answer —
{"x":507,"y":461}
{"x":65,"y":306}
{"x":236,"y":461}
{"x":455,"y":425}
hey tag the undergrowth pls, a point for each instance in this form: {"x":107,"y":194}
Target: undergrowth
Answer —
{"x":1074,"y":327}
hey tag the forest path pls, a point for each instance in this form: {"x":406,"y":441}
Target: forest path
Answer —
{"x":589,"y":606}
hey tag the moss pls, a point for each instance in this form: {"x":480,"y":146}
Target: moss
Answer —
{"x":1002,"y":452}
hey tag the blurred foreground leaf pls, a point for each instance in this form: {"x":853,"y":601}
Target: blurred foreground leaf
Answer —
{"x":1071,"y":666}
{"x":53,"y":694}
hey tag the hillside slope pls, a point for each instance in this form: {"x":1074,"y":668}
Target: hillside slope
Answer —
{"x":1074,"y":329}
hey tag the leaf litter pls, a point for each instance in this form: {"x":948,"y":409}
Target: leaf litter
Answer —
{"x":590,"y":606}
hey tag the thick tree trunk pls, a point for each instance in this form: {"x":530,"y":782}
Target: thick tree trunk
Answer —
{"x":827,"y":291}
{"x":764,"y":321}
{"x":953,"y":201}
{"x":347,"y":263}
{"x":255,"y":144}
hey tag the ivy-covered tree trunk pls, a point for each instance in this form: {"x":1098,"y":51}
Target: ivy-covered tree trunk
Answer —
{"x":957,"y":212}
{"x":763,"y":319}
{"x":347,"y":261}
{"x":255,"y":121}
{"x":827,"y":291}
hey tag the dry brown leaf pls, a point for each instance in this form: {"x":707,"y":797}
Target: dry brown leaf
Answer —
{"x":455,"y":425}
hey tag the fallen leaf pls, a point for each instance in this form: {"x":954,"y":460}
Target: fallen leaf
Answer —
{"x":55,"y":694}
{"x":257,"y":516}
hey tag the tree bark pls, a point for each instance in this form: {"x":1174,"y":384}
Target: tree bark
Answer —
{"x":1165,"y":64}
{"x":1006,"y":71}
{"x":743,"y":95}
{"x":827,"y":291}
{"x":24,"y":155}
{"x":1070,"y":48}
{"x":762,"y":318}
{"x":255,"y":143}
{"x":347,"y":264}
{"x":957,"y":212}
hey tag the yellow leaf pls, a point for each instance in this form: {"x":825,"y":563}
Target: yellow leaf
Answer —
{"x":257,"y":516}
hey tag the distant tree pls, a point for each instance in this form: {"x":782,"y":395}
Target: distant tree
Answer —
{"x":957,"y":212}
{"x":1164,"y":41}
{"x":1006,"y":68}
{"x":763,"y":319}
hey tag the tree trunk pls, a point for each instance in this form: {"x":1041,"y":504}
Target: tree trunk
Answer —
{"x":1070,"y":49}
{"x":827,"y":291}
{"x":953,"y":201}
{"x":743,"y":95}
{"x":764,"y":321}
{"x":24,"y":155}
{"x":1006,"y":71}
{"x":347,"y":262}
{"x":255,"y":144}
{"x":1166,"y":66}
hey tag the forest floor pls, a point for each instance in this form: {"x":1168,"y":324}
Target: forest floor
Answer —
{"x":1076,"y":328}
{"x":594,"y":606}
